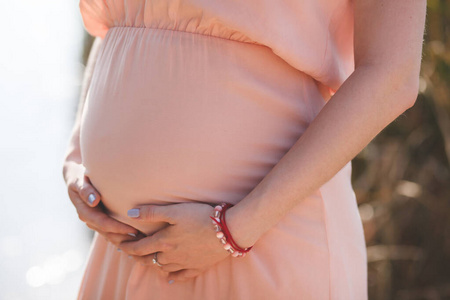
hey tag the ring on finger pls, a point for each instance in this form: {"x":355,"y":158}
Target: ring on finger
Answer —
{"x":155,"y":260}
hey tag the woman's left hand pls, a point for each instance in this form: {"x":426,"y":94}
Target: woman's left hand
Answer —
{"x":186,"y":247}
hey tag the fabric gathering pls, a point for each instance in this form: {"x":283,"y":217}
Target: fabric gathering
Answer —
{"x":196,"y":101}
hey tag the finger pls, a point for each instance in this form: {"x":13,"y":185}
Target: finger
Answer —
{"x":114,"y":238}
{"x":167,"y":264}
{"x":148,"y":261}
{"x":183,"y":275}
{"x":95,"y":217}
{"x":147,"y":245}
{"x":117,"y":238}
{"x":171,"y":268}
{"x":108,"y":224}
{"x":87,"y":192}
{"x":153,"y":213}
{"x":101,"y":233}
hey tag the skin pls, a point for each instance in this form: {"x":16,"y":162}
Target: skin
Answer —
{"x":388,"y":45}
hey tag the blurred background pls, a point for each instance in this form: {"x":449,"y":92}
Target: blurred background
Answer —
{"x":402,"y":183}
{"x":43,"y":245}
{"x":402,"y":179}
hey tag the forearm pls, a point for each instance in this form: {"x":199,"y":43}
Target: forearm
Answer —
{"x":73,"y":154}
{"x":366,"y":103}
{"x":388,"y":45}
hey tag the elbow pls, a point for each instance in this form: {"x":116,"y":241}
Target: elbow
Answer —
{"x":410,"y":92}
{"x":397,"y":82}
{"x":403,"y":86}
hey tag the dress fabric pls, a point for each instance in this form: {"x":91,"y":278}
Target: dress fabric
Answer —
{"x":196,"y":101}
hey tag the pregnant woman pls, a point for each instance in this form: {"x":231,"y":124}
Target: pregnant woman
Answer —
{"x":259,"y":104}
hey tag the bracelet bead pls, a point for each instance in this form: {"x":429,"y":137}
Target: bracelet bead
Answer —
{"x":223,"y":234}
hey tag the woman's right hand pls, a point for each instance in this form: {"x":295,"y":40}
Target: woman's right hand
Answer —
{"x":86,"y":200}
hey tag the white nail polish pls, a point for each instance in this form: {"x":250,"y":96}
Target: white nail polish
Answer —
{"x":132,"y":234}
{"x":91,"y":198}
{"x":171,"y":281}
{"x":133,"y":213}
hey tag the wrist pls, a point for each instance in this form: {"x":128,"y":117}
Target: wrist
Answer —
{"x":242,"y":227}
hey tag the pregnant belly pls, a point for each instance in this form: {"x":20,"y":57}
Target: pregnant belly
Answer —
{"x":175,"y":117}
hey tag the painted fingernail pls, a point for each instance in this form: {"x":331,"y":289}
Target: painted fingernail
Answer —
{"x":132,"y":234}
{"x":91,"y":198}
{"x":118,"y":249}
{"x":171,"y":281}
{"x":133,"y":213}
{"x":129,"y":256}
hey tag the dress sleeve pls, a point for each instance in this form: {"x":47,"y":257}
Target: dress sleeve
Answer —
{"x":317,"y":38}
{"x":95,"y":17}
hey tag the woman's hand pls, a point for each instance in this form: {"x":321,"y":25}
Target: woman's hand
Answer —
{"x":186,"y":247}
{"x":86,"y":200}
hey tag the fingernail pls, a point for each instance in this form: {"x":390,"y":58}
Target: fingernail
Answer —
{"x":91,"y":198}
{"x":132,"y":234}
{"x":118,"y":249}
{"x":171,"y":281}
{"x":133,"y":213}
{"x":129,"y":256}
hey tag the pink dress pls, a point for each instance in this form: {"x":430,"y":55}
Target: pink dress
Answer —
{"x":197,"y":100}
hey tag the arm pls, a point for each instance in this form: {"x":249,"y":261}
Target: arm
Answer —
{"x":388,"y":45}
{"x":383,"y":85}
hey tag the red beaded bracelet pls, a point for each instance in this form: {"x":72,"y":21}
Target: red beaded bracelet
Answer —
{"x":223,"y":233}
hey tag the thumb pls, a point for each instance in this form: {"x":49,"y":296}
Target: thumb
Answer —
{"x":87,"y":192}
{"x":152,"y":213}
